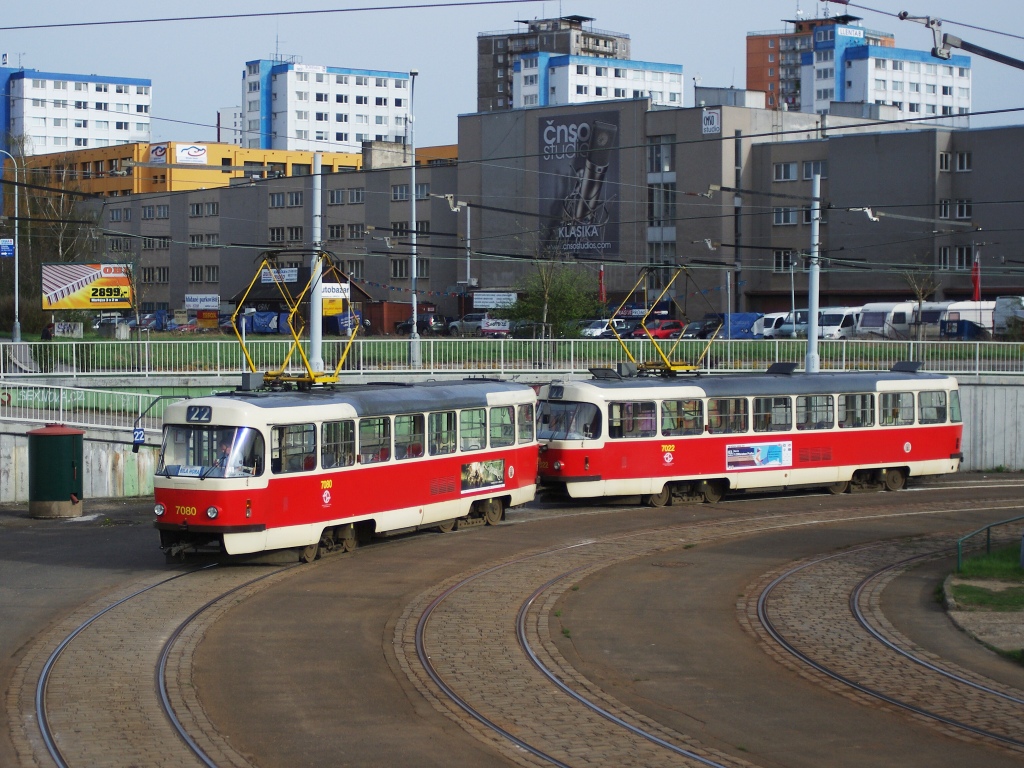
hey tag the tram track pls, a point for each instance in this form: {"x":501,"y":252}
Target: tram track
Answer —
{"x":835,"y":630}
{"x":533,"y":673}
{"x":110,"y":693}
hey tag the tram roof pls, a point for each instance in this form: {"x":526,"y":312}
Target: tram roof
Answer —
{"x":380,"y":398}
{"x":736,"y":385}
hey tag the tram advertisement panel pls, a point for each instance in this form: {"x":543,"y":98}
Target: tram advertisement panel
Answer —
{"x":579,"y":173}
{"x":758,"y":455}
{"x":86,"y":286}
{"x":483,"y":474}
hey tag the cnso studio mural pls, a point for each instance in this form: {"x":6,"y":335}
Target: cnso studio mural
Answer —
{"x":579,"y":178}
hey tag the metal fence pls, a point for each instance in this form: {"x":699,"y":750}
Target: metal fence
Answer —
{"x":498,"y":357}
{"x":96,"y":408}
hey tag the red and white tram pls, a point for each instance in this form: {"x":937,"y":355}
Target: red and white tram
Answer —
{"x":700,"y":436}
{"x":244,"y":472}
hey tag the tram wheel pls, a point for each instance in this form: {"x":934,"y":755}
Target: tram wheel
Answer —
{"x":837,"y":489}
{"x":348,"y":544}
{"x":309,"y":554}
{"x":895,"y":479}
{"x":493,"y":511}
{"x":662,"y":498}
{"x":447,"y":526}
{"x":712,"y":491}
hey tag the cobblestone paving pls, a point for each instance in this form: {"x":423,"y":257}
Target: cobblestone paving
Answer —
{"x":810,"y":609}
{"x":471,"y":641}
{"x":103,"y":706}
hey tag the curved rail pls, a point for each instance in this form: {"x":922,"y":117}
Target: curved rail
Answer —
{"x":766,"y":622}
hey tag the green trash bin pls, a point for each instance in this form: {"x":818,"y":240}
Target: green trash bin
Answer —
{"x":55,"y":471}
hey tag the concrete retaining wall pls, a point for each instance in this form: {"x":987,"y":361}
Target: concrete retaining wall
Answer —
{"x":111,"y":469}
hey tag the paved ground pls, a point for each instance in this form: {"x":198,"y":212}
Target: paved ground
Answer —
{"x":307,"y":673}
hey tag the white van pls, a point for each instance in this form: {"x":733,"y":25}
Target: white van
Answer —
{"x":771,"y":324}
{"x":886,"y":319}
{"x":1008,"y":315}
{"x":838,"y":322}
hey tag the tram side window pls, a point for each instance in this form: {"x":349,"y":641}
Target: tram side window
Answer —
{"x":409,"y":436}
{"x":503,"y":426}
{"x":567,"y":420}
{"x":773,"y":414}
{"x":954,"y":406}
{"x":526,"y":423}
{"x":632,"y":420}
{"x":473,"y":429}
{"x":682,"y":417}
{"x":856,"y":410}
{"x":727,"y":415}
{"x":374,"y":439}
{"x":441,"y":431}
{"x":293,"y":448}
{"x":895,"y":409}
{"x":338,"y":444}
{"x":814,"y":412}
{"x":932,"y":407}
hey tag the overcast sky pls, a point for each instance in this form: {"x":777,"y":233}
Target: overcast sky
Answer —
{"x":196,"y":65}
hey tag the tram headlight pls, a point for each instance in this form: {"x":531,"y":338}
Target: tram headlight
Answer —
{"x":556,"y":465}
{"x":212,"y":512}
{"x":158,"y":510}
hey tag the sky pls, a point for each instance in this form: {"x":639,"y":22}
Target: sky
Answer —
{"x":196,"y":64}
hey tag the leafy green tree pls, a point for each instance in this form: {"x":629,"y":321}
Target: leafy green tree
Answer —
{"x":556,"y":296}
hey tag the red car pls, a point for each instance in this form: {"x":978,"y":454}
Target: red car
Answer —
{"x":660,"y":329}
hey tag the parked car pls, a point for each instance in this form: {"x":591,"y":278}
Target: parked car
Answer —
{"x":789,"y":328}
{"x":772,"y":323}
{"x":659,"y":329}
{"x":468,"y":325}
{"x":624,"y":331}
{"x":703,"y":328}
{"x":426,"y":325}
{"x":595,"y":328}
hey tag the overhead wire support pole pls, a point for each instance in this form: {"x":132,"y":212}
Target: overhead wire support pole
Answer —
{"x":812,"y":362}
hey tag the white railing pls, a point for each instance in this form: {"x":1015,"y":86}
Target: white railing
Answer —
{"x":498,"y":357}
{"x":46,"y":404}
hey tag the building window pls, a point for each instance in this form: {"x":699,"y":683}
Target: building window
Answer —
{"x":336,"y":197}
{"x":661,"y":205}
{"x":294,"y":199}
{"x":964,"y":209}
{"x":195,"y":241}
{"x":661,"y":154}
{"x":335,"y":231}
{"x":785,"y":172}
{"x":354,"y":269}
{"x":277,"y":234}
{"x":812,"y":167}
{"x":277,"y":199}
{"x":963,"y":161}
{"x":399,"y":192}
{"x":944,"y":161}
{"x":943,"y":209}
{"x":163,"y":211}
{"x":195,"y":274}
{"x":212,"y":240}
{"x":356,"y":195}
{"x":399,"y":228}
{"x":356,"y":231}
{"x":195,"y":209}
{"x":148,"y":212}
{"x":295,"y":234}
{"x":399,"y":269}
{"x":785,"y":217}
{"x":211,"y":209}
{"x":964,"y":258}
{"x":422,"y":191}
{"x":782,"y":261}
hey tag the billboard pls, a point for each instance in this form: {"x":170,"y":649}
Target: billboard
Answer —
{"x":579,"y":174}
{"x":86,"y":286}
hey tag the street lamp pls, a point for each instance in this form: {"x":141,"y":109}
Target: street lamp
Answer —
{"x":415,"y":359}
{"x":16,"y":328}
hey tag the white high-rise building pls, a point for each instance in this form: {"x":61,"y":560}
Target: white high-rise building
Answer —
{"x":56,"y":111}
{"x":230,"y":121}
{"x":288,"y":105}
{"x":542,"y":79}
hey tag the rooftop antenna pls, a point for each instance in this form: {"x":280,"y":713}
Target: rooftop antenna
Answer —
{"x":799,"y":13}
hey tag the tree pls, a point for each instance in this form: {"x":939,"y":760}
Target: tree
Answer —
{"x":923,"y":284}
{"x":557,"y":296}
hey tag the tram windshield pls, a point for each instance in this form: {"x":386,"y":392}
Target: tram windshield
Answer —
{"x":565,"y":420}
{"x":210,"y":451}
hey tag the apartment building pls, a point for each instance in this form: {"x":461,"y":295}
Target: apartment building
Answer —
{"x":305,"y":107}
{"x":60,"y":111}
{"x":541,"y":80}
{"x":775,"y":58}
{"x":497,"y":52}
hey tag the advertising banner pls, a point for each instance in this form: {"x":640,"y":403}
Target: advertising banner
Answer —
{"x":202,"y":301}
{"x":86,"y":286}
{"x":579,"y":173}
{"x":190,"y":154}
{"x":493,"y":300}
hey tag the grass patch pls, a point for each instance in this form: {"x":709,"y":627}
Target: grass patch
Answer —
{"x":1001,"y":564}
{"x":968,"y":596}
